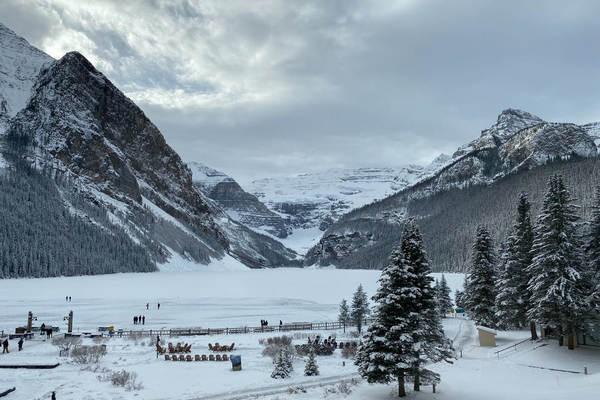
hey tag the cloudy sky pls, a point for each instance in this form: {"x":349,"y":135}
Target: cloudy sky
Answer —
{"x":259,"y":88}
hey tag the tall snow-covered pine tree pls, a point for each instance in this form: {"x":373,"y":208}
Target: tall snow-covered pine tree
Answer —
{"x":557,"y":284}
{"x":480,"y":291}
{"x":444,"y":302}
{"x":406,"y":331}
{"x":360,"y":308}
{"x":512,"y":300}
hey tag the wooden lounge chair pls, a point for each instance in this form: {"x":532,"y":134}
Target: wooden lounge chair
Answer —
{"x":211,"y":357}
{"x":181,"y":357}
{"x":167,"y":357}
{"x":231,"y":347}
{"x":210,"y":346}
{"x":204,"y":358}
{"x":218,"y":357}
{"x":189,"y":358}
{"x":196,"y":357}
{"x":174,"y":358}
{"x":225,"y":357}
{"x":188,"y":348}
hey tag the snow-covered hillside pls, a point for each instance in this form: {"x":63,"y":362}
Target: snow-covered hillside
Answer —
{"x":517,"y":142}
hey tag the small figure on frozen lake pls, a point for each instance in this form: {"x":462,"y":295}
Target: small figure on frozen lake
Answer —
{"x":143,"y":320}
{"x":53,"y":396}
{"x":158,"y":306}
{"x":20,"y":343}
{"x":135,"y":320}
{"x":5,"y":346}
{"x":147,"y":306}
{"x":69,"y":299}
{"x":66,"y":298}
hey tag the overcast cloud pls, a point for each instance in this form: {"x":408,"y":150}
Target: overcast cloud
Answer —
{"x":259,"y":88}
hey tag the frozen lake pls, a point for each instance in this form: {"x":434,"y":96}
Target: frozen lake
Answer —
{"x":188,"y":299}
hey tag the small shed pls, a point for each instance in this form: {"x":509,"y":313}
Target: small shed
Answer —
{"x":487,"y":336}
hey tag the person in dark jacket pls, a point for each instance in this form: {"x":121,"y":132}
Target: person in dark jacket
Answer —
{"x":53,"y":396}
{"x":135,"y":320}
{"x":5,"y":346}
{"x":20,"y":344}
{"x":143,"y":320}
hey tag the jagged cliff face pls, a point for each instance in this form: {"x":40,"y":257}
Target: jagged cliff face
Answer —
{"x":20,"y":64}
{"x":239,"y":204}
{"x":80,"y":126}
{"x":517,"y":142}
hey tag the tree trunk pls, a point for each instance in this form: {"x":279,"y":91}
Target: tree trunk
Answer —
{"x":401,"y":388}
{"x":572,"y":339}
{"x":532,"y":328}
{"x":417,"y":381}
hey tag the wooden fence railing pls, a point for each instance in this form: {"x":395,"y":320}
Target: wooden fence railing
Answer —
{"x":296,"y":326}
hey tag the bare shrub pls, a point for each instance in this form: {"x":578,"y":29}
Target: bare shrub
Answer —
{"x":87,"y":354}
{"x":65,"y":344}
{"x":274,"y":345}
{"x":344,"y":387}
{"x":126,"y":379}
{"x":349,"y":352}
{"x":135,"y":336}
{"x":100,"y":339}
{"x":296,"y":389}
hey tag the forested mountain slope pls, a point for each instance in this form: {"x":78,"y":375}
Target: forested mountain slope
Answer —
{"x":77,"y":126}
{"x":478,"y":185}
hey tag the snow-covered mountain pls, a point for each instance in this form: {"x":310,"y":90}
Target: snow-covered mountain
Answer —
{"x":311,"y":202}
{"x":517,"y":142}
{"x":76,"y":125}
{"x":20,"y":64}
{"x":239,"y":204}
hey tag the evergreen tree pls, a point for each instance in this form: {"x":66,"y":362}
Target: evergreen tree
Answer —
{"x":360,"y":308}
{"x":558,"y":276}
{"x":406,"y":331}
{"x":480,"y":293}
{"x":344,"y":315}
{"x":444,"y":302}
{"x":593,"y":242}
{"x":311,"y":368}
{"x":592,"y":317}
{"x":512,"y":301}
{"x":458,"y":298}
{"x":282,"y":370}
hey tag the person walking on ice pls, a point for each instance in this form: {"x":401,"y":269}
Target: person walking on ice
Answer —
{"x":158,"y":306}
{"x":20,"y":343}
{"x":5,"y":346}
{"x":135,"y":320}
{"x":147,"y":306}
{"x":143,"y":320}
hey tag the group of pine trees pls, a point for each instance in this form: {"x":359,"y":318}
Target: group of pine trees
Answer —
{"x":47,"y":230}
{"x":546,"y":274}
{"x":406,"y":330}
{"x":358,"y":312}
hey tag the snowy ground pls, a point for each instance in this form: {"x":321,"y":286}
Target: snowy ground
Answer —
{"x":237,"y":298}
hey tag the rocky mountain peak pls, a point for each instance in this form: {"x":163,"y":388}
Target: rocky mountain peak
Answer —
{"x":511,"y":121}
{"x":20,"y":64}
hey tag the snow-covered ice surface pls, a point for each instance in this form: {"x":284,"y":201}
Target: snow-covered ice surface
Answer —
{"x":237,"y":298}
{"x":188,"y":299}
